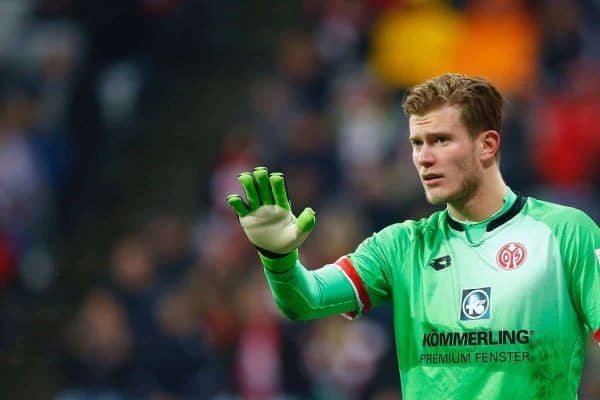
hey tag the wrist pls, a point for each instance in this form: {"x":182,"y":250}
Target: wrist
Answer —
{"x":279,"y":264}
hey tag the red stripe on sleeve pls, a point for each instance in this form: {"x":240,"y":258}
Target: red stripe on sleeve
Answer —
{"x":597,"y":335}
{"x":345,"y":264}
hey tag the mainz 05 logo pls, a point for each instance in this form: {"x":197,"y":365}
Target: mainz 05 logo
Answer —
{"x":511,"y":256}
{"x":475,"y":304}
{"x":476,"y":338}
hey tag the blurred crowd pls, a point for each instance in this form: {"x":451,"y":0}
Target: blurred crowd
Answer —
{"x":183,"y":311}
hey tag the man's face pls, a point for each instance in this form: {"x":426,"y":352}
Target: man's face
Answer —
{"x":444,"y":155}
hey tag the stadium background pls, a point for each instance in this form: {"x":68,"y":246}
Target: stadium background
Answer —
{"x":123,"y":125}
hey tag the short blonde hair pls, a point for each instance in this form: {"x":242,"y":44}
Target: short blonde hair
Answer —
{"x":481,"y":104}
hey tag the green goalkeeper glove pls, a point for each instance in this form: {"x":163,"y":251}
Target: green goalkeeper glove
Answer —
{"x":267,"y":219}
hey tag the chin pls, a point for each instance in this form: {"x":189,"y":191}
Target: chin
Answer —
{"x":437,"y":199}
{"x":452,"y":194}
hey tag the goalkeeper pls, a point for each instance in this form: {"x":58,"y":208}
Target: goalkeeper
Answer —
{"x":493,"y":298}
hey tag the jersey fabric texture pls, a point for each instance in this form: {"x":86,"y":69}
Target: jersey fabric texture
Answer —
{"x":505,"y":315}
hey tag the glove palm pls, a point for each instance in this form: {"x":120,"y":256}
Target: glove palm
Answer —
{"x":267,"y":219}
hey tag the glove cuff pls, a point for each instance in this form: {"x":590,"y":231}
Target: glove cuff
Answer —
{"x":279,"y":264}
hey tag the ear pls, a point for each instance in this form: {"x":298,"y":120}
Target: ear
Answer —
{"x":489,"y":141}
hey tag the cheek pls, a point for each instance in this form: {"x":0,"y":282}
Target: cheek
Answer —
{"x":415,"y":159}
{"x":468,"y":169}
{"x":460,"y":169}
{"x":465,"y":161}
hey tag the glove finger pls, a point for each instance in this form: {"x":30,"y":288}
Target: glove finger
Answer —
{"x":279,"y":190}
{"x":236,"y":202}
{"x":247,"y":182}
{"x":261,"y":177}
{"x":306,"y":220}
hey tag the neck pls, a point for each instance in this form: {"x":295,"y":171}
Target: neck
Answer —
{"x":486,"y":200}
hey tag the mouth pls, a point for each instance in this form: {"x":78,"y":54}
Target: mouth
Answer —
{"x":431,"y":179}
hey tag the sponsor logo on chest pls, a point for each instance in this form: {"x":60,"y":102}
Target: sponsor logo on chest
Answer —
{"x":475,"y":304}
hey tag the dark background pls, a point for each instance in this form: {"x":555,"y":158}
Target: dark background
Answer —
{"x":124,"y":124}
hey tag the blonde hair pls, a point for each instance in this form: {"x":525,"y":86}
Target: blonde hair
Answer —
{"x":480,"y":103}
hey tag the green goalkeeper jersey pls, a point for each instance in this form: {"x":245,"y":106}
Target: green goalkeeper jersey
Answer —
{"x":504,"y":315}
{"x":496,"y":310}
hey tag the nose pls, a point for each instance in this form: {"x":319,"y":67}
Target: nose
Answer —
{"x":424,"y":156}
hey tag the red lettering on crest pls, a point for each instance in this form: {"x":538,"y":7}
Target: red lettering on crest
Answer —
{"x":511,"y":256}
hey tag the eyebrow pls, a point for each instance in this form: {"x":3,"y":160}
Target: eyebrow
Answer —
{"x":428,"y":134}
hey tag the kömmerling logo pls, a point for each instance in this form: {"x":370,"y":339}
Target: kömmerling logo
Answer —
{"x":475,"y":338}
{"x":475,"y":304}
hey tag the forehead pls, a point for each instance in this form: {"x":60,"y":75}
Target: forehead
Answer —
{"x":445,"y":119}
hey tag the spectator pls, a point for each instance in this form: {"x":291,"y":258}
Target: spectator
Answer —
{"x":98,"y":356}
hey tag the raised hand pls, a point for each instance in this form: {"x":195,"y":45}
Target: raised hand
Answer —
{"x":267,"y":218}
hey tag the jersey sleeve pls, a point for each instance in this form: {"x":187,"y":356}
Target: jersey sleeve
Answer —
{"x":301,"y":294}
{"x":369,"y":269}
{"x":580,"y":246}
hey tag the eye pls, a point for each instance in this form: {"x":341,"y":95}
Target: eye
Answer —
{"x":441,"y":140}
{"x":416,"y":143}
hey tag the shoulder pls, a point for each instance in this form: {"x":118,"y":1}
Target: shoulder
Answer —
{"x":555,"y":214}
{"x":411,"y":230}
{"x":561,"y":219}
{"x":389,"y":246}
